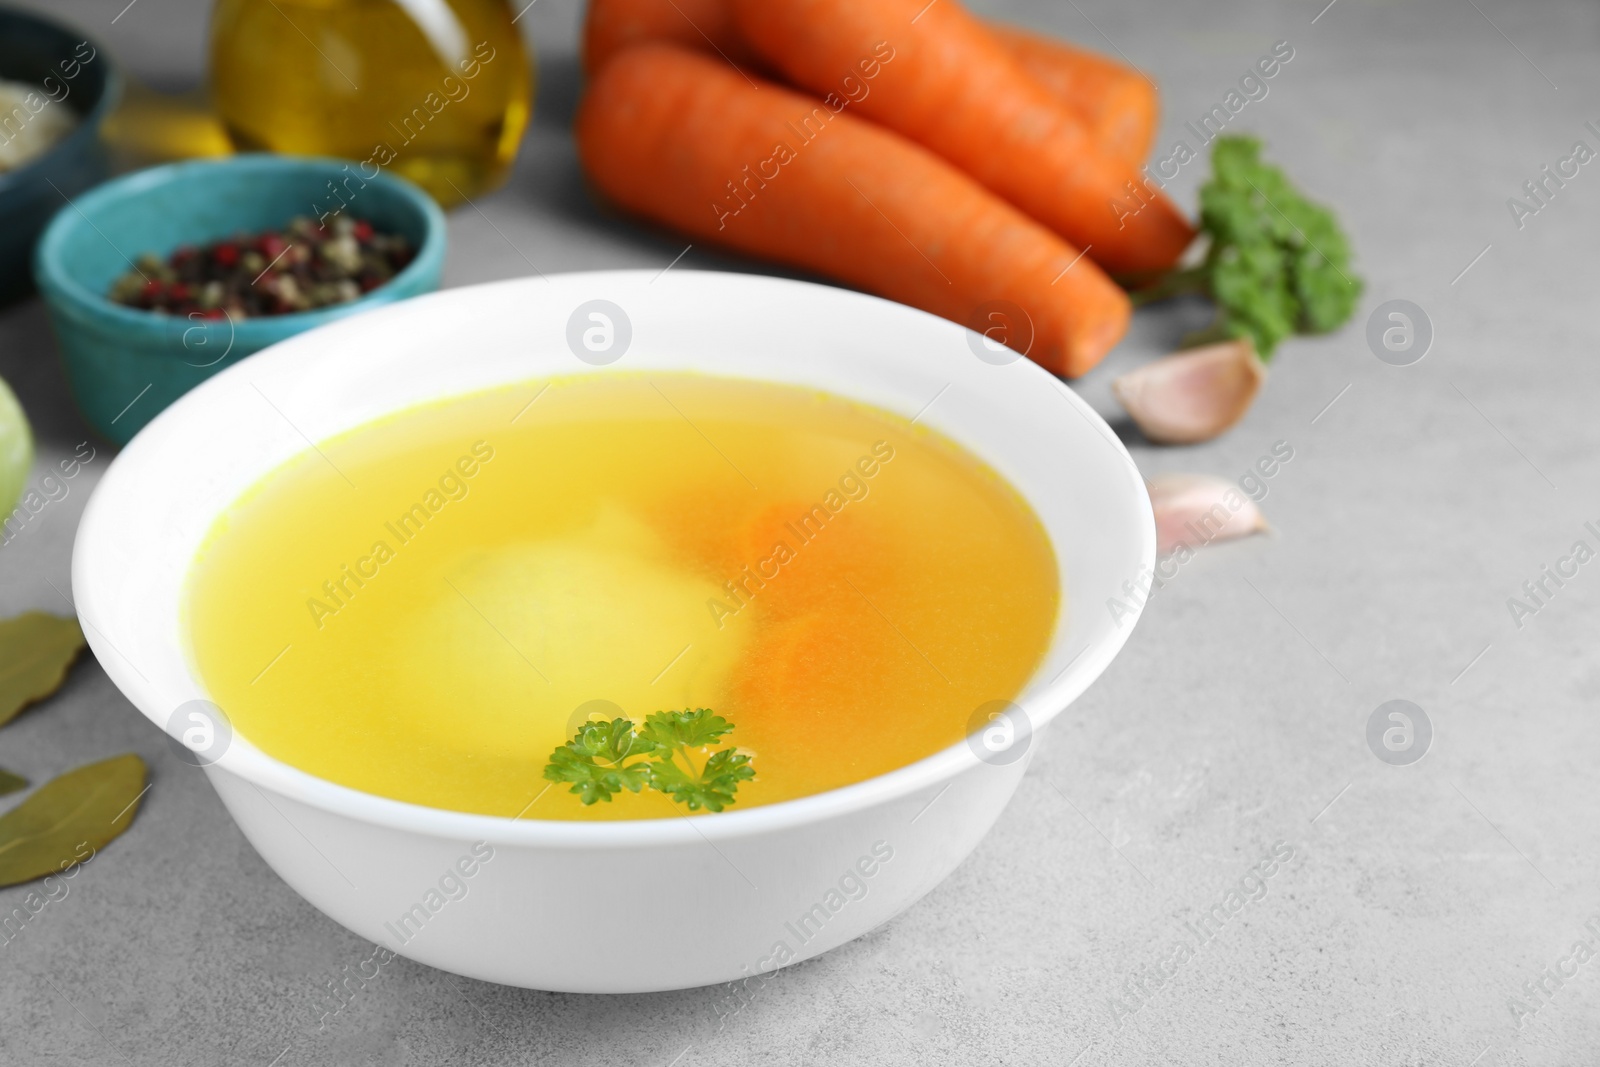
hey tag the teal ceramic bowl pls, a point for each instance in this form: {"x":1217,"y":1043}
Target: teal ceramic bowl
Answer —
{"x":125,"y":365}
{"x":70,"y":71}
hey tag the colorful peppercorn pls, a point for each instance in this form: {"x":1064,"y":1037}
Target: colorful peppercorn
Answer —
{"x":305,"y":266}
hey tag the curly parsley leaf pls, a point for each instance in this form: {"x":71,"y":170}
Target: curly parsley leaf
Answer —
{"x":595,"y":761}
{"x":1278,"y":264}
{"x":604,"y":758}
{"x":686,"y":729}
{"x":713,"y":787}
{"x":612,"y":741}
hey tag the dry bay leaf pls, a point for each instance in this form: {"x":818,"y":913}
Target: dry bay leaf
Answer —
{"x":35,"y":651}
{"x":84,"y":808}
{"x":10,"y":783}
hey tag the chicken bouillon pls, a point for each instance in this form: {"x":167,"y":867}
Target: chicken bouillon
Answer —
{"x":620,"y":597}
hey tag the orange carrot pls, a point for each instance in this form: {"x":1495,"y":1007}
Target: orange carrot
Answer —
{"x":934,"y":74}
{"x":703,"y":25}
{"x":691,"y":142}
{"x":1119,"y":103}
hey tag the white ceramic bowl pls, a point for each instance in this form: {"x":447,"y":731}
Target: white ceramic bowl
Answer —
{"x":609,"y":906}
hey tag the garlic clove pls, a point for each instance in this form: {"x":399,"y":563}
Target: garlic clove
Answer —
{"x":1195,"y":395}
{"x":1197,"y":509}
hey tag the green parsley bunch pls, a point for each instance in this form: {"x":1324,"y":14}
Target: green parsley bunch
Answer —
{"x":1277,"y":264}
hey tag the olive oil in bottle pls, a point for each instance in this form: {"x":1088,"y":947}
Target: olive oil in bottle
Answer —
{"x":438,"y":91}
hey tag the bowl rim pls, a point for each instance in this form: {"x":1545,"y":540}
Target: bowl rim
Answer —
{"x":247,"y":762}
{"x":90,"y":122}
{"x":59,"y":284}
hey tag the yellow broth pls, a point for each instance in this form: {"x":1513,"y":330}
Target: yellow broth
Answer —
{"x":425,"y":607}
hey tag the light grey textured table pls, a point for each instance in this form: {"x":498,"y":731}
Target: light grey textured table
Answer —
{"x":1419,"y":899}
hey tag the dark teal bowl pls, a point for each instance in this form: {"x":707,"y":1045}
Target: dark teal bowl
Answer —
{"x":125,"y":365}
{"x":72,"y":71}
